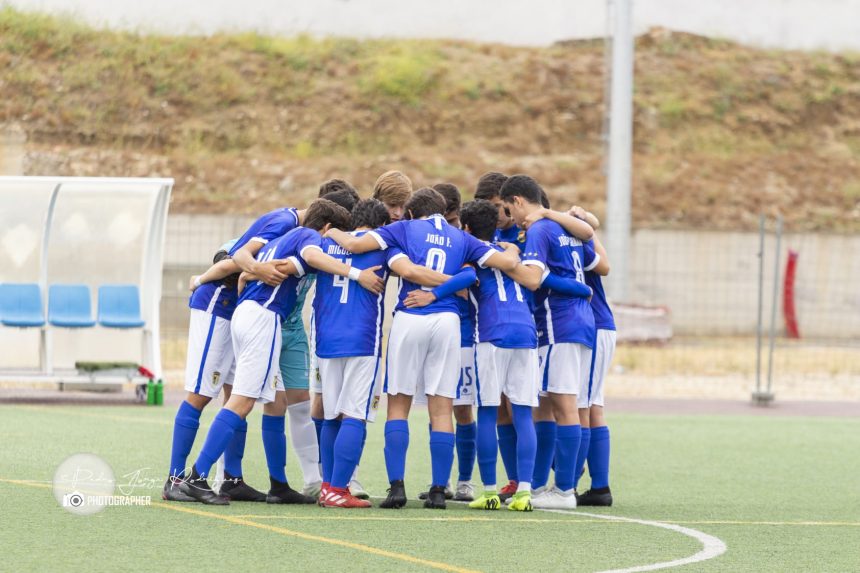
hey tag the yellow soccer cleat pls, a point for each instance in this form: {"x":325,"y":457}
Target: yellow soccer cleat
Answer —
{"x":487,"y":500}
{"x":521,"y":501}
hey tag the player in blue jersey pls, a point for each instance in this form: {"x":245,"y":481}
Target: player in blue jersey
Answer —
{"x":506,"y":358}
{"x":423,"y":352}
{"x":594,"y":446}
{"x":565,"y":336}
{"x":210,"y":358}
{"x":465,"y":435}
{"x":255,"y":332}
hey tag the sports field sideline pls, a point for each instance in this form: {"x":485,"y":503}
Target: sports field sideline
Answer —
{"x":737,"y":492}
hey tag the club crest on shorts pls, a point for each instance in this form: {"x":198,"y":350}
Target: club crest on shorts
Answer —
{"x":275,"y":380}
{"x":375,"y":404}
{"x":216,"y":376}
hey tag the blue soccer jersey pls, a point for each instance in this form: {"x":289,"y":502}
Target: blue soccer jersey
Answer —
{"x":214,"y":297}
{"x":559,"y":317}
{"x":467,"y":322}
{"x":348,"y":317}
{"x":603,"y":318}
{"x":281,"y":299}
{"x":504,"y":317}
{"x":512,"y":234}
{"x":435,"y":244}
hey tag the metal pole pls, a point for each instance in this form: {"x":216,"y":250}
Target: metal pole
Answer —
{"x":620,"y":150}
{"x":760,"y":306}
{"x":773,"y":305}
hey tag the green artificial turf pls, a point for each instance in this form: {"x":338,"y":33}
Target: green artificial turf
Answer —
{"x":781,"y":493}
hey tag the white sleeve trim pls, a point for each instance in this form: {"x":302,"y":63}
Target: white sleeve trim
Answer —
{"x":544,"y":275}
{"x":258,"y":240}
{"x":397,"y":257}
{"x":486,"y":256}
{"x":535,"y":263}
{"x":299,"y":267}
{"x":382,"y":244}
{"x":594,"y":263}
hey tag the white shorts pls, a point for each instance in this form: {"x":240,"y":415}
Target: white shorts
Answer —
{"x":257,"y":343}
{"x":509,"y":371}
{"x":604,"y":350}
{"x":209,"y":364}
{"x":423,"y":354}
{"x":350,"y":386}
{"x":466,"y":384}
{"x":564,"y":368}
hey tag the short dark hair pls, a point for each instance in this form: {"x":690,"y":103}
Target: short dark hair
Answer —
{"x":230,"y":281}
{"x":522,"y":186}
{"x":333,"y":185}
{"x":490,"y":185}
{"x":481,"y":217}
{"x":321,"y":212}
{"x":425,"y":202}
{"x":344,"y":198}
{"x":452,"y":196}
{"x":370,"y":213}
{"x":544,"y":199}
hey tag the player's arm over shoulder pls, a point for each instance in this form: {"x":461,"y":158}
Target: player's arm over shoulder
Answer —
{"x":409,"y":271}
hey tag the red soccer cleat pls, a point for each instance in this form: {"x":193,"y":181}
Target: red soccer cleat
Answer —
{"x":508,"y":491}
{"x":323,"y":492}
{"x":340,"y":497}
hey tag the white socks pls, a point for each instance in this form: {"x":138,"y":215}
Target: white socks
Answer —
{"x":303,"y":436}
{"x":524,"y":486}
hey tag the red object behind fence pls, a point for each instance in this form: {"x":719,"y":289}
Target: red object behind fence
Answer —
{"x":788,"y":310}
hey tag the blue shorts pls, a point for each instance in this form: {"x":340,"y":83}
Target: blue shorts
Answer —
{"x":295,"y":358}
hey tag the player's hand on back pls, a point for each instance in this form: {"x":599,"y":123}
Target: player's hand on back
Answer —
{"x":269,"y":273}
{"x":371,"y":281}
{"x":509,"y":247}
{"x":418,"y":298}
{"x":192,"y":282}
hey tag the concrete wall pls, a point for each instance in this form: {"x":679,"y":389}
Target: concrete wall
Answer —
{"x":800,"y":24}
{"x":709,"y":280}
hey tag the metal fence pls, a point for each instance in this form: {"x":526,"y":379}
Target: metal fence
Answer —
{"x":709,"y":282}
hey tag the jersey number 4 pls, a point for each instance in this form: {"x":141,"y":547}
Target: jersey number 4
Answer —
{"x":343,"y":284}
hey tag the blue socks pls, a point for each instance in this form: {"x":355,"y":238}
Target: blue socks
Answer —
{"x":598,"y":457}
{"x":275,"y":446}
{"x":396,"y":444}
{"x":545,"y":433}
{"x":347,"y":451}
{"x":318,"y":424}
{"x":441,"y":457}
{"x":185,"y":427}
{"x":330,"y":429}
{"x":223,"y":427}
{"x":508,"y":448}
{"x":525,"y":442}
{"x":584,"y":445}
{"x":466,"y":449}
{"x":236,"y":451}
{"x":487,"y":444}
{"x":567,"y":448}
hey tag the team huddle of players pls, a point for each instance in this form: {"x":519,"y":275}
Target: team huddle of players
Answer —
{"x":500,"y":307}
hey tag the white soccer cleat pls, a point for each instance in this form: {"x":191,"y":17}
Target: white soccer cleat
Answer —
{"x":312,"y":489}
{"x":357,"y":490}
{"x":465,"y":491}
{"x":536,"y":494}
{"x":555,"y":499}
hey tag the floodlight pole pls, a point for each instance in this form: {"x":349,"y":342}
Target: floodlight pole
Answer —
{"x":620,"y":149}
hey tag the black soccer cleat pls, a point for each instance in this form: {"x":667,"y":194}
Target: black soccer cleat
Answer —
{"x":448,"y":494}
{"x":171,"y":491}
{"x":595,"y":497}
{"x":281,"y":492}
{"x":396,"y":496}
{"x":196,"y":487}
{"x":436,"y":498}
{"x":235,"y":489}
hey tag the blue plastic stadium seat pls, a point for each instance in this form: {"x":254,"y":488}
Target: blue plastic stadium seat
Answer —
{"x":119,"y":306}
{"x":69,"y":306}
{"x":21,"y":305}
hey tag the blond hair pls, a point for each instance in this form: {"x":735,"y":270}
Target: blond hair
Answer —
{"x":393,"y":188}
